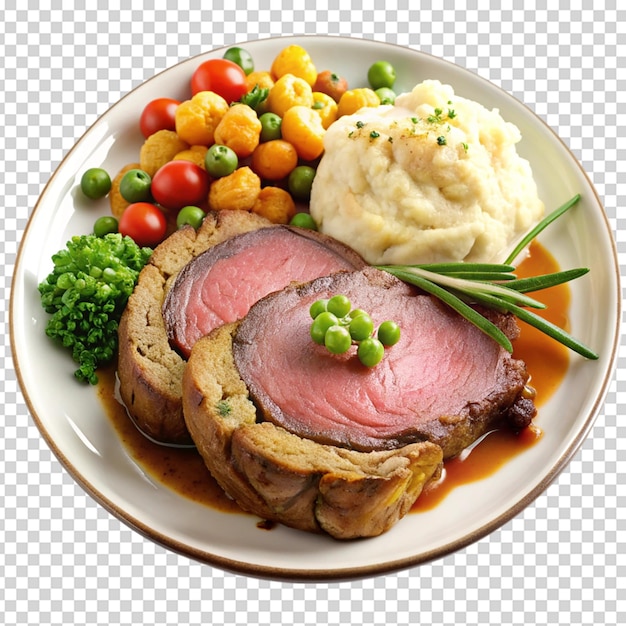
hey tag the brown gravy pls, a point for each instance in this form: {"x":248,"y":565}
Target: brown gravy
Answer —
{"x":547,"y":362}
{"x":183,"y":470}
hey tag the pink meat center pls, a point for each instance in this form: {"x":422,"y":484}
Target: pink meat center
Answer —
{"x":437,"y":368}
{"x":226,"y":290}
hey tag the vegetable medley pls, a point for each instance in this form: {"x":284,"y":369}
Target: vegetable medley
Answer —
{"x":245,"y":139}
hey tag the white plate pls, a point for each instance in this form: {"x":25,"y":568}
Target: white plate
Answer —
{"x":73,"y":423}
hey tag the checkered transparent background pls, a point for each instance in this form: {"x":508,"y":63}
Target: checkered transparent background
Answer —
{"x":65,"y":560}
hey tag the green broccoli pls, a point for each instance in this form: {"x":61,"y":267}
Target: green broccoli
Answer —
{"x":86,"y":293}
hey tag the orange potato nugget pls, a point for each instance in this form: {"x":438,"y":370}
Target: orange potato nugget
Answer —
{"x":289,"y":91}
{"x":239,"y":129}
{"x":302,"y":127}
{"x":197,"y":119}
{"x":274,"y":159}
{"x":237,"y":191}
{"x":116,"y":200}
{"x":195,"y":154}
{"x":294,"y":60}
{"x":263,"y":79}
{"x":355,"y":99}
{"x":158,"y":149}
{"x":275,"y":204}
{"x":325,"y":107}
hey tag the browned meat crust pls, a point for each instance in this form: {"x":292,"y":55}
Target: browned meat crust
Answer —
{"x":149,"y":371}
{"x":150,"y":361}
{"x":280,"y":476}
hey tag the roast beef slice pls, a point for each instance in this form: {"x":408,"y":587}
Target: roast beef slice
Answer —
{"x":280,"y":476}
{"x":149,"y":371}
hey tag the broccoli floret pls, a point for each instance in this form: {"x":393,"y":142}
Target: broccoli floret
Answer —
{"x":86,"y":293}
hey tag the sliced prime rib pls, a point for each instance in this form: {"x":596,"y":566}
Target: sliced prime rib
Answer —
{"x":289,"y":479}
{"x":445,"y":381}
{"x":221,"y":284}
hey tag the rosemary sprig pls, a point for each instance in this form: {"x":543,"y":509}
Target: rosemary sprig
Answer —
{"x":472,"y":271}
{"x":495,"y":286}
{"x":460,"y":306}
{"x":469,"y":285}
{"x":537,"y":283}
{"x":543,"y":224}
{"x":546,"y":327}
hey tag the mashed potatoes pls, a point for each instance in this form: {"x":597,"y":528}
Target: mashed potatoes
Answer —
{"x":434,"y":178}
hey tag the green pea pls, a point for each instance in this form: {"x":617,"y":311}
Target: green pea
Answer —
{"x":389,"y":333}
{"x":337,"y":339}
{"x":135,"y":186}
{"x":66,"y":280}
{"x":356,"y":312}
{"x":105,"y":225}
{"x":381,"y":74}
{"x":361,"y":327}
{"x":300,"y":181}
{"x":191,"y":215}
{"x":95,"y":183}
{"x":370,"y":352}
{"x":339,"y":305}
{"x":241,"y":57}
{"x":319,"y":306}
{"x":270,"y":126}
{"x":303,"y":220}
{"x":386,"y":95}
{"x":321,"y":324}
{"x":220,"y":160}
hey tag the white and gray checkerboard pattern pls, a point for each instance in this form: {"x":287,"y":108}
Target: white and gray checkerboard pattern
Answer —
{"x":65,"y":560}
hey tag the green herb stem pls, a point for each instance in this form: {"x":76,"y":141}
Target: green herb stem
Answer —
{"x":495,"y":286}
{"x":538,"y":322}
{"x":449,"y":298}
{"x":471,"y":287}
{"x":545,"y":281}
{"x":543,"y":224}
{"x":471,"y":271}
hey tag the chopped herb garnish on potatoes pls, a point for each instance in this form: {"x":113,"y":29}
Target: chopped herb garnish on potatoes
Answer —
{"x":86,"y":293}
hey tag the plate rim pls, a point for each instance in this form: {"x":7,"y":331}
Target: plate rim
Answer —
{"x":318,"y":574}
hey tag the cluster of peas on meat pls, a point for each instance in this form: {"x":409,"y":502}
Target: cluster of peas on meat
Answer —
{"x":337,"y":326}
{"x":246,"y":139}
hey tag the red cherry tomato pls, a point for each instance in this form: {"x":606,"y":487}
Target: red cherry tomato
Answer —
{"x":180,"y":183}
{"x":158,"y":115}
{"x":221,"y":76}
{"x":143,"y":222}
